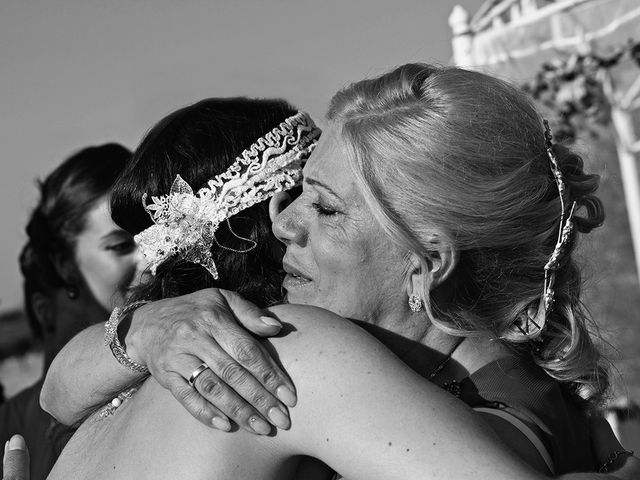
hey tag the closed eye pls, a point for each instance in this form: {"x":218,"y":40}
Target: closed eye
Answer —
{"x":324,"y":210}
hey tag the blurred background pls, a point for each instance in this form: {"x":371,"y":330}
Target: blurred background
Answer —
{"x":76,"y":73}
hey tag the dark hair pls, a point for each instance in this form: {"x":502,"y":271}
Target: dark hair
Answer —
{"x":66,"y":195}
{"x":199,"y":142}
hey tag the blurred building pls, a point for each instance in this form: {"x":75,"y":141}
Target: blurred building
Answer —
{"x":581,"y":60}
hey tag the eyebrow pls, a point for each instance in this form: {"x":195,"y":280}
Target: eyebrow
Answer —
{"x":316,"y":183}
{"x":114,"y":233}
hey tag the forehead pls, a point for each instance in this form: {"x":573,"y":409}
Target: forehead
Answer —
{"x":98,"y":219}
{"x":329,"y":165}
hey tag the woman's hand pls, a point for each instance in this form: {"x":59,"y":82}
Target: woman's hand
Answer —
{"x":15,"y":463}
{"x":174,"y":336}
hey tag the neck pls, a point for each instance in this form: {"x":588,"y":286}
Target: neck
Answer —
{"x":422,"y":348}
{"x":426,"y":353}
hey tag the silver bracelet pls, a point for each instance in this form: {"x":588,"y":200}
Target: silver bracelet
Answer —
{"x":612,"y":458}
{"x":113,"y":342}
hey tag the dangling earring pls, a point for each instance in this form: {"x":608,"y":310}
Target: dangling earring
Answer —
{"x":72,"y":292}
{"x":415,"y":304}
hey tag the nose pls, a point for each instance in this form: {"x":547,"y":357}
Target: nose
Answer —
{"x":141,"y":266}
{"x":278,"y":203}
{"x":289,"y":225}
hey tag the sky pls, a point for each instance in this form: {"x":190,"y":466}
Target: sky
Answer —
{"x":75,"y":73}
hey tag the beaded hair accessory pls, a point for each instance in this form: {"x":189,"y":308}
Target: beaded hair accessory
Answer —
{"x":185,"y":223}
{"x":564,"y":233}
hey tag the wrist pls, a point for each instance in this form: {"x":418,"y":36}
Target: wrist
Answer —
{"x":112,"y":337}
{"x":131,"y":335}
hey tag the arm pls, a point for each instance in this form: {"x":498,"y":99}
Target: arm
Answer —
{"x":360,"y":410}
{"x":173,"y":337}
{"x":366,"y":414}
{"x":83,"y":376}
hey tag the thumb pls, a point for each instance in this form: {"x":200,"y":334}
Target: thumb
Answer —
{"x":15,"y":464}
{"x":251,"y":317}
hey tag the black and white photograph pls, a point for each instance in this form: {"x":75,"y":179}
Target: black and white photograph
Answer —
{"x":342,"y":239}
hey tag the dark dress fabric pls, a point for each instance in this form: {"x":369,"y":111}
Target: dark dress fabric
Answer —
{"x":44,"y":436}
{"x":524,"y":390}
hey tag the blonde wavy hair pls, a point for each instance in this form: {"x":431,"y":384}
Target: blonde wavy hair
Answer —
{"x":443,"y":154}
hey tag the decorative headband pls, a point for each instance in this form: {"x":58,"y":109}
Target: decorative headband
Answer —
{"x":185,"y":223}
{"x":566,"y":224}
{"x":564,"y":233}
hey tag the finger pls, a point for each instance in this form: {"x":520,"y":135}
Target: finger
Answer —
{"x":195,"y":404}
{"x":211,"y":387}
{"x":243,"y":402}
{"x":253,"y":357}
{"x":238,"y":394}
{"x":15,"y":463}
{"x":250,"y":316}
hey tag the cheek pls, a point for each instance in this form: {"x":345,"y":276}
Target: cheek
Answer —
{"x":106,"y":274}
{"x":341,"y":261}
{"x":356,"y":272}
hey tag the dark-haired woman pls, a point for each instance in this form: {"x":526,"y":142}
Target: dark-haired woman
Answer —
{"x":76,"y":266}
{"x":360,"y":409}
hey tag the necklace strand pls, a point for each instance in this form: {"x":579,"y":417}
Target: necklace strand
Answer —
{"x":444,"y":362}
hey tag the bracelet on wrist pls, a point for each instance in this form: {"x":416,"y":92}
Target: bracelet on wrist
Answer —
{"x":113,"y":342}
{"x":612,"y":458}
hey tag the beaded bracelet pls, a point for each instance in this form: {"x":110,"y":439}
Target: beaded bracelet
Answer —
{"x":113,"y":342}
{"x":612,"y":458}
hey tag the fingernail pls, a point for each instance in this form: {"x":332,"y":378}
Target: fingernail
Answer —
{"x":221,"y":423}
{"x":286,"y":396}
{"x":6,"y":446}
{"x":17,"y":443}
{"x":279,"y":418}
{"x":272,"y":322}
{"x":259,"y":426}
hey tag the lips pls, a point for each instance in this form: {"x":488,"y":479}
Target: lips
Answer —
{"x":294,"y":272}
{"x":294,"y":279}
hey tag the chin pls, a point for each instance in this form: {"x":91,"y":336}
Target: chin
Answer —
{"x":297,"y":299}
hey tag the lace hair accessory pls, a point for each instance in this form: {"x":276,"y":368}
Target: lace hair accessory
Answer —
{"x":185,"y":223}
{"x":564,"y":233}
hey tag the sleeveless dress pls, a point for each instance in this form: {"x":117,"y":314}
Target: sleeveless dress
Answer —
{"x":523,"y":394}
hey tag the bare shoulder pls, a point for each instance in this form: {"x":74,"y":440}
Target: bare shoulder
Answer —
{"x":303,"y":314}
{"x":315,"y":320}
{"x":319,"y":332}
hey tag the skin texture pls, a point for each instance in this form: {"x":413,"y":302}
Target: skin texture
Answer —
{"x":106,"y":257}
{"x":336,"y":245}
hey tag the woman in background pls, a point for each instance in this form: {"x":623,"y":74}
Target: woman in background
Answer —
{"x":76,"y":266}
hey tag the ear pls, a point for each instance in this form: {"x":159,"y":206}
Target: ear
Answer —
{"x":278,"y":203}
{"x":66,"y":269}
{"x":441,"y":264}
{"x":415,"y":279}
{"x":432,"y":270}
{"x":42,"y":307}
